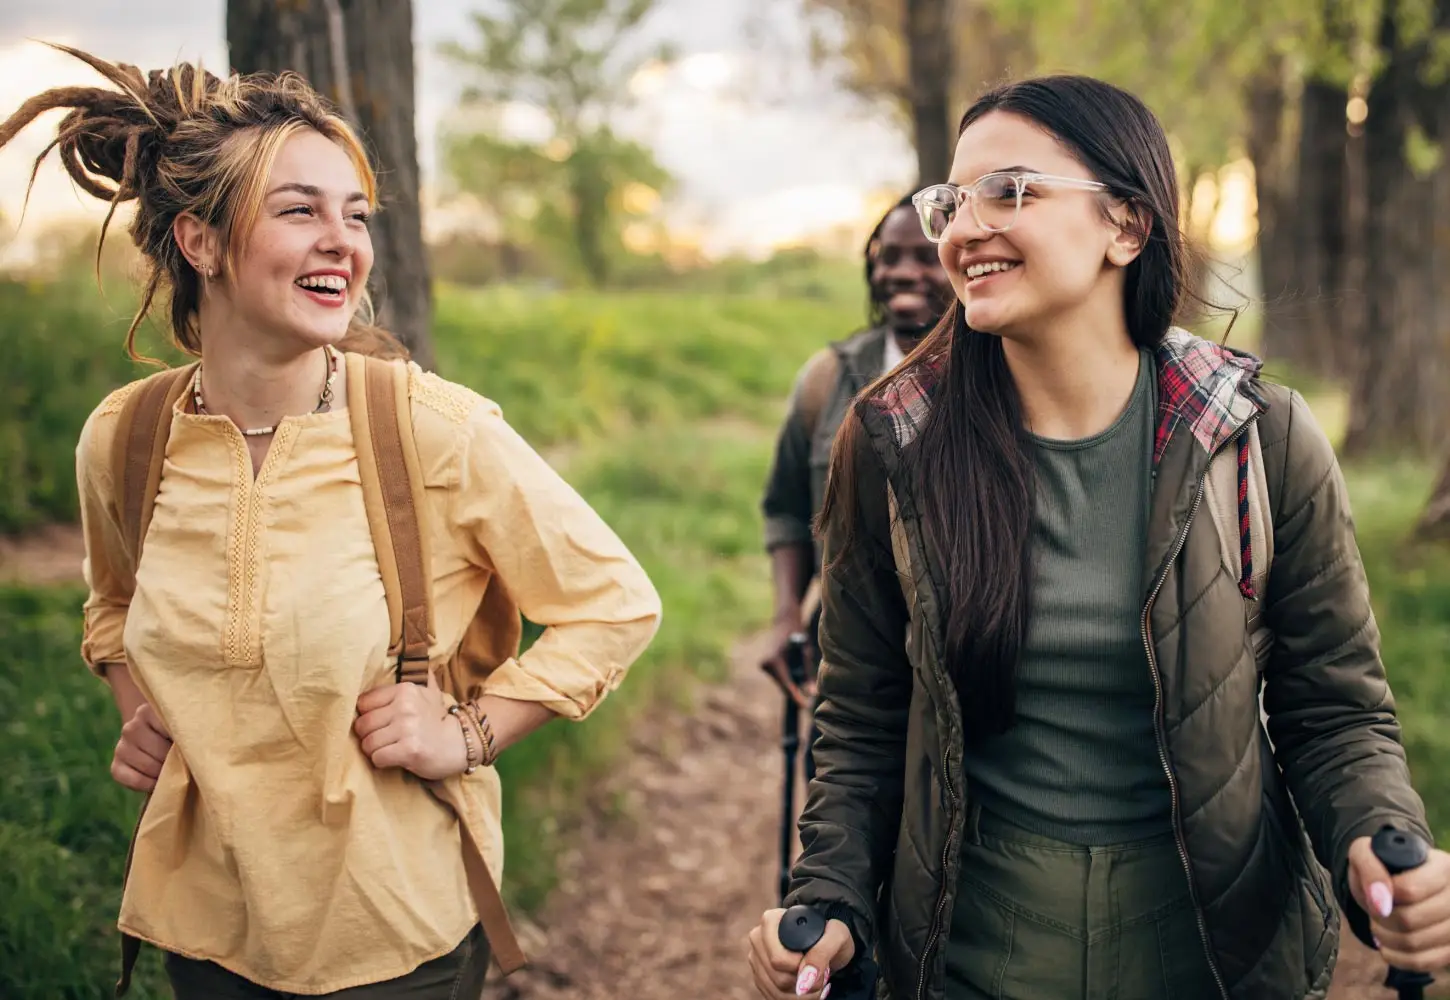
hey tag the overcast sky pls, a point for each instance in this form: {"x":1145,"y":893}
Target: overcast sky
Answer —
{"x":752,"y":171}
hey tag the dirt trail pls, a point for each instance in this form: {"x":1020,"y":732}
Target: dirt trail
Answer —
{"x":49,"y":555}
{"x":657,"y":905}
{"x":654,"y":904}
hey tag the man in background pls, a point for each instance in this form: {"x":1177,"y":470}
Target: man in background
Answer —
{"x":909,"y":292}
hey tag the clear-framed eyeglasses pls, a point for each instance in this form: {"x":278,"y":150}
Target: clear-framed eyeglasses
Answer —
{"x":996,"y":200}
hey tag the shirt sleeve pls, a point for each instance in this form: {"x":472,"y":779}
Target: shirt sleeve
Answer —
{"x":786,"y":505}
{"x":109,"y":577}
{"x":563,"y":566}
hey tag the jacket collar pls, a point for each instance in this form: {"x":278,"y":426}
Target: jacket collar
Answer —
{"x":1205,"y":391}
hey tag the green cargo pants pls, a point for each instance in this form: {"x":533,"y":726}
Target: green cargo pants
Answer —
{"x":1037,"y":918}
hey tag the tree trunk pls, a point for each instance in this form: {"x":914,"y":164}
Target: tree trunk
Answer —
{"x":359,"y":53}
{"x":1396,"y":402}
{"x":589,"y":190}
{"x":1435,"y":522}
{"x":1269,"y":144}
{"x":1322,"y":236}
{"x":930,"y":59}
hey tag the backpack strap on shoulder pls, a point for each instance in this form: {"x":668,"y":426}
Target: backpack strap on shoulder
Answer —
{"x":901,"y":551}
{"x":138,"y":452}
{"x":380,"y":411}
{"x":392,"y":481}
{"x":1237,"y":495}
{"x":1259,"y":510}
{"x":818,"y":381}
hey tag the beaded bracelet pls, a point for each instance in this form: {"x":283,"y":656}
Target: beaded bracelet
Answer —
{"x":465,"y":723}
{"x":485,"y":730}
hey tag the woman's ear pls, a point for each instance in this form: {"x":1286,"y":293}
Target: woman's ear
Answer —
{"x":198,"y":243}
{"x":1132,"y":223}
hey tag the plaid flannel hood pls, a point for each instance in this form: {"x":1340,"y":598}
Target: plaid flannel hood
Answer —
{"x":1205,"y":390}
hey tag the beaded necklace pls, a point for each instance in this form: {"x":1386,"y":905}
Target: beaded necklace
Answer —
{"x":324,"y":399}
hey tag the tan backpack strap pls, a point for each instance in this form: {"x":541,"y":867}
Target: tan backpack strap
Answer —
{"x":138,"y":452}
{"x":1221,"y":495}
{"x":818,"y":382}
{"x":380,"y":411}
{"x":392,"y":481}
{"x":492,"y":914}
{"x":901,"y":552}
{"x":1261,"y":514}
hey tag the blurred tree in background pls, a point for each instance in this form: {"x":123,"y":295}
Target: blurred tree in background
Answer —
{"x":582,"y":189}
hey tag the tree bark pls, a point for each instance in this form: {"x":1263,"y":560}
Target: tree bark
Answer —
{"x":1323,"y":240}
{"x":1269,"y":143}
{"x":930,"y":64}
{"x":1435,"y":522}
{"x":1397,"y":395}
{"x":359,"y":53}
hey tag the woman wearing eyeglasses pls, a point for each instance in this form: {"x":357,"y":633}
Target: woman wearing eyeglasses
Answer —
{"x":1041,"y":769}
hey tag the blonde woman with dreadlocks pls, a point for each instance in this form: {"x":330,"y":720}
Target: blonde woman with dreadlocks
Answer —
{"x":291,"y":844}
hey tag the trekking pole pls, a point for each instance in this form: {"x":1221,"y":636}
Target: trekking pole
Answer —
{"x":790,"y":741}
{"x":1399,"y":852}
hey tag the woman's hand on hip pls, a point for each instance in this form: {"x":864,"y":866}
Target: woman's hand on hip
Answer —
{"x":409,"y":726}
{"x":784,"y":975}
{"x":141,"y":750}
{"x":1409,"y":913}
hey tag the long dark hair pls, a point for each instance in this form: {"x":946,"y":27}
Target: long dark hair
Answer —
{"x":970,"y":467}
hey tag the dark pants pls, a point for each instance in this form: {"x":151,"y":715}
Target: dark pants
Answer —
{"x":457,"y":975}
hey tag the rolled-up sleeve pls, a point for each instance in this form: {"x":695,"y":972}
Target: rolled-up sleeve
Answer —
{"x":109,"y":578}
{"x":563,"y":566}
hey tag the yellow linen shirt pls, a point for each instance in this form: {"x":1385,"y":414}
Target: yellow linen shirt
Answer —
{"x":256,"y":618}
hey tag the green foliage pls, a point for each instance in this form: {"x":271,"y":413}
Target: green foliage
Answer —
{"x":585,"y":368}
{"x":64,"y":824}
{"x":1412,"y":603}
{"x":62,"y":354}
{"x":570,"y":58}
{"x":572,"y":61}
{"x":570,"y":208}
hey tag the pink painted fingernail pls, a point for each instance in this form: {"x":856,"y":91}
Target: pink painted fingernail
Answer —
{"x":1381,"y":898}
{"x":1376,"y":941}
{"x":805,"y":981}
{"x":826,"y":992}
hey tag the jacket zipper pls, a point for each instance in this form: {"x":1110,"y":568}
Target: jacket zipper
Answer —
{"x":1162,"y":738}
{"x":941,"y":896}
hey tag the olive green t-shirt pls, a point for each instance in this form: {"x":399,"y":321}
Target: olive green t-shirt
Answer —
{"x":1081,"y":764}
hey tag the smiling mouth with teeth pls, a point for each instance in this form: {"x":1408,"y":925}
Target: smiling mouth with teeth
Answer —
{"x":323,"y":284}
{"x":991,"y":267}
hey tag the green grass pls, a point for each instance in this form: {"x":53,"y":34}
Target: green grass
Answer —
{"x":1411,"y":588}
{"x":64,"y":824}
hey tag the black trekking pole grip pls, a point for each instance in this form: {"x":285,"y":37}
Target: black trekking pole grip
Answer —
{"x":800,"y":928}
{"x":1400,"y":851}
{"x":795,"y":657}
